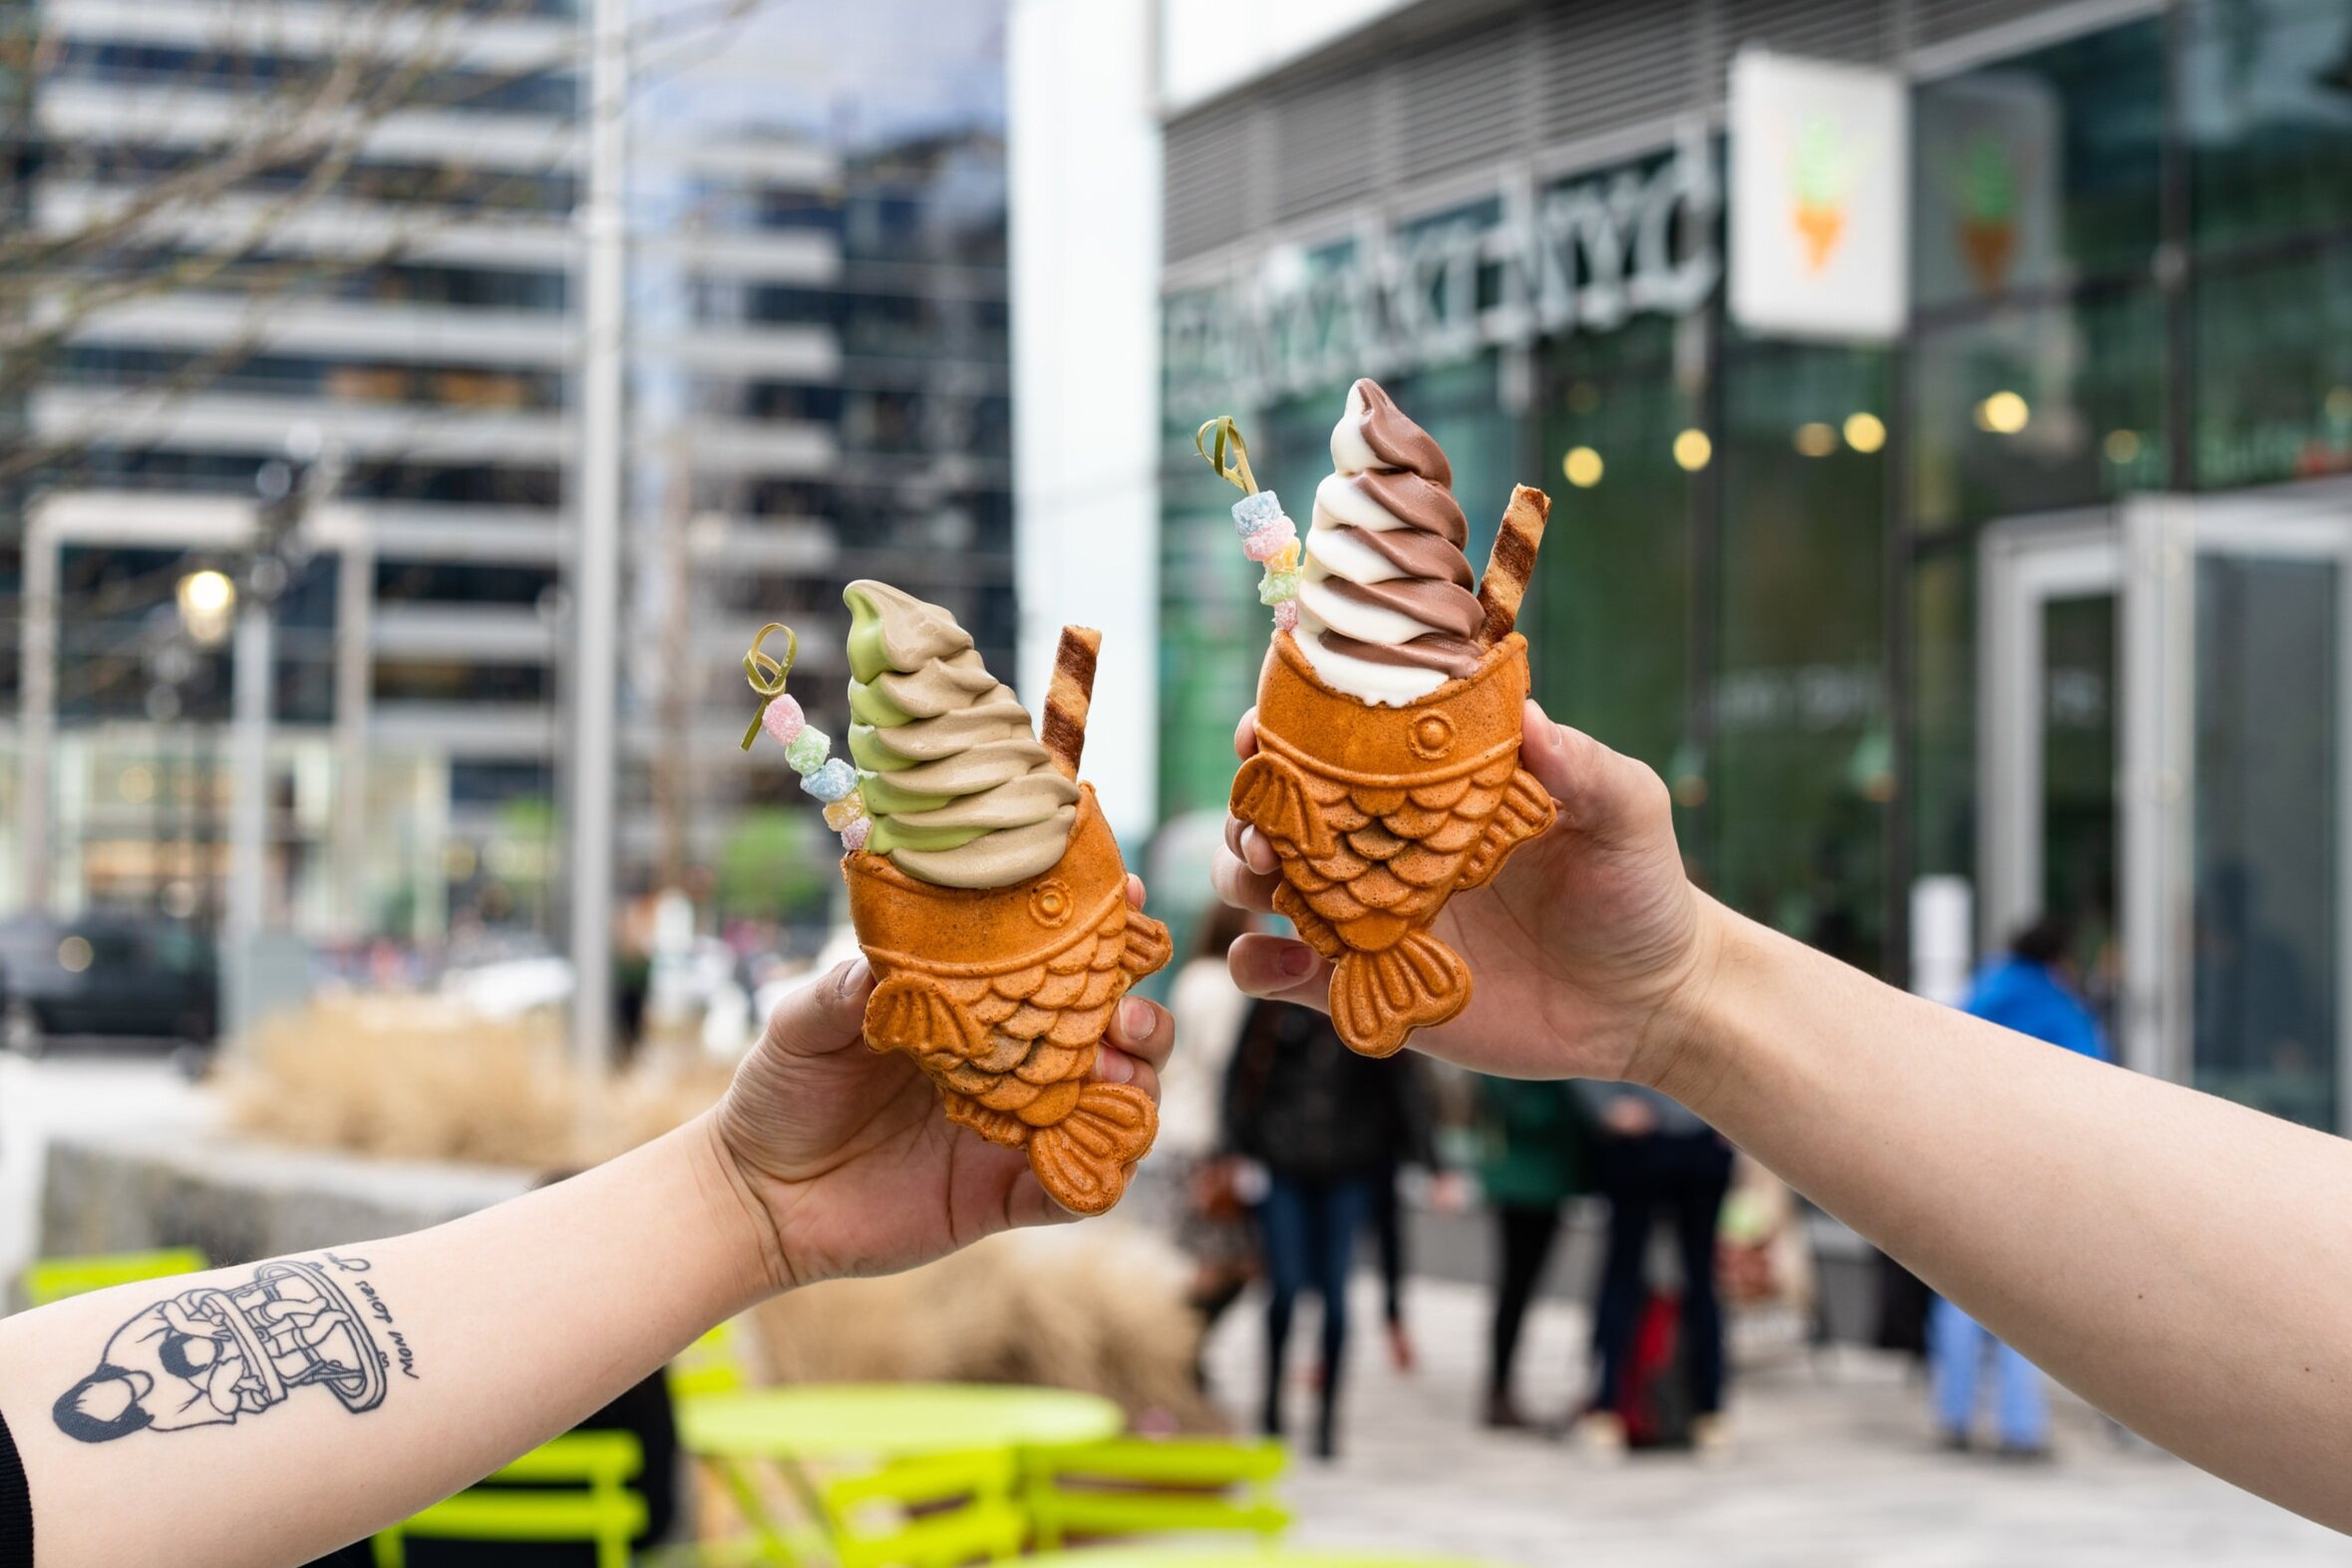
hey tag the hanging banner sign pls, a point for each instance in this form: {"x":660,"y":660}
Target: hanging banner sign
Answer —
{"x":1820,"y":203}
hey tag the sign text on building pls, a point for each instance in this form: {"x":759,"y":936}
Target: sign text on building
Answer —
{"x":1507,"y":271}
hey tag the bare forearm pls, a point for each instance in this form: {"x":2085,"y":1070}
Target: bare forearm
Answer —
{"x":2180,"y":1261}
{"x":488,"y":1335}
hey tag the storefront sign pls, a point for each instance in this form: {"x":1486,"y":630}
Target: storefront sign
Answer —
{"x":1820,"y":177}
{"x":1505,"y":271}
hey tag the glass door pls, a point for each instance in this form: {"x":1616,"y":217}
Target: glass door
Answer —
{"x":2164,"y":689}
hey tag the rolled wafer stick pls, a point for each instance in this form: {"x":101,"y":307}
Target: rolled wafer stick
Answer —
{"x":1513,"y":562}
{"x":1066,"y":700}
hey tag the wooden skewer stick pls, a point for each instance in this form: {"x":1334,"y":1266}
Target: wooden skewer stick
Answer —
{"x":1513,"y":563}
{"x":1066,"y":701}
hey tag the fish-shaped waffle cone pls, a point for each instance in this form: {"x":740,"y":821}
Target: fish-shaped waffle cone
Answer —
{"x":1378,"y":815}
{"x":1003,"y":995}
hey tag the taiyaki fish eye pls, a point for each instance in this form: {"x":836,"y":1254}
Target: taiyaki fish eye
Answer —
{"x":1432,"y":736}
{"x":1050,"y":903}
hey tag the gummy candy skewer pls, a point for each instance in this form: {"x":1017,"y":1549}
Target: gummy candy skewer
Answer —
{"x":1267,"y":533}
{"x":807,"y":748}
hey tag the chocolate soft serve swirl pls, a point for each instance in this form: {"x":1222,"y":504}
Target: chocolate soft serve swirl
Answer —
{"x":1387,"y":611}
{"x":960,"y":791}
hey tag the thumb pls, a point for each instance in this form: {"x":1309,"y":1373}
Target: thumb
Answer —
{"x":1601,"y":793}
{"x":825,"y":1015}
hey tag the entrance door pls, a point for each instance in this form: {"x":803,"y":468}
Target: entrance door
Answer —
{"x":2164,"y":690}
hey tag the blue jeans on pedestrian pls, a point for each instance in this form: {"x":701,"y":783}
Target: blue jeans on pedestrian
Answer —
{"x":1309,"y":1228}
{"x":1958,"y":1345}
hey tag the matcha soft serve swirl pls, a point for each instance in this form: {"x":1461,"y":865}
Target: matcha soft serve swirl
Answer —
{"x":960,"y":792}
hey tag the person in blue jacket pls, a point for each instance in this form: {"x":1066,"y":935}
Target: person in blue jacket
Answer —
{"x":2030,"y":990}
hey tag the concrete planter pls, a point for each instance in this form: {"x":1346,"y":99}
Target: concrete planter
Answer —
{"x":241,"y":1201}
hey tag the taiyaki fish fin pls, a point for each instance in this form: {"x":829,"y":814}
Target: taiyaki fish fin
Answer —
{"x":1084,"y":1160}
{"x":1526,"y":810}
{"x":1317,"y":932}
{"x":1148,"y":945}
{"x":1379,"y":998}
{"x":996,"y":1126}
{"x":1269,"y":794}
{"x":912,"y":1014}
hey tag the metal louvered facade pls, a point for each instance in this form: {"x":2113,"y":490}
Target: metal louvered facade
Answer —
{"x":1432,"y":94}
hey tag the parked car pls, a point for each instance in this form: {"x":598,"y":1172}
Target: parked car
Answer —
{"x":112,"y":976}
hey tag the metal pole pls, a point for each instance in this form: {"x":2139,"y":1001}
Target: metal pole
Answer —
{"x":596,"y":561}
{"x":355,"y":595}
{"x":37,"y":659}
{"x":248,"y":797}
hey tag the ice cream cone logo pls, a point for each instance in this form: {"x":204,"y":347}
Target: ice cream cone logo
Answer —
{"x":1987,"y":221}
{"x":1821,"y":173}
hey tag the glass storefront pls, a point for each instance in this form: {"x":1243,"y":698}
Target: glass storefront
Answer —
{"x":1767,"y":568}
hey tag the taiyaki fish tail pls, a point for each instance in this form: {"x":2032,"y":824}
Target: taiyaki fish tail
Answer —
{"x":1084,"y":1160}
{"x":1379,"y":998}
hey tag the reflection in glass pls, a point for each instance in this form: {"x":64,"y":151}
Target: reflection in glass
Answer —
{"x":1799,"y":699}
{"x":2266,"y":991}
{"x":2031,"y":408}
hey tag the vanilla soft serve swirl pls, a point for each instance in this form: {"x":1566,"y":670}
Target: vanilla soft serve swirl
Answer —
{"x":960,"y":791}
{"x":1386,"y":611}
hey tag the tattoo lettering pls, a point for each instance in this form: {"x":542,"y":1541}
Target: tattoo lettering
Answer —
{"x":208,"y":1356}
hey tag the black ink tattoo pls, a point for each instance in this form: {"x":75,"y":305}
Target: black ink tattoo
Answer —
{"x":208,"y":1356}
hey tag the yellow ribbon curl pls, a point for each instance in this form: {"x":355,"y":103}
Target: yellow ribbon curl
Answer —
{"x":766,"y":674}
{"x":1235,"y":472}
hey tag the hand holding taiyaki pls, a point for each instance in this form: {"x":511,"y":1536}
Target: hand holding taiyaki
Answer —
{"x":986,"y":889}
{"x":1387,"y":770}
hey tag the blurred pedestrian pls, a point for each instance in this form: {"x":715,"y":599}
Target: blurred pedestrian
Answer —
{"x":1214,"y":1227}
{"x":1657,"y":1162}
{"x":1537,"y":1153}
{"x":2032,"y":991}
{"x":1324,"y":1125}
{"x":1418,"y":1148}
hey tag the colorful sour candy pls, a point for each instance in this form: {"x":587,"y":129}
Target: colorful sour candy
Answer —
{"x":1277,"y":586}
{"x":806,"y":750}
{"x":783,"y":718}
{"x":1286,"y":615}
{"x":1255,"y":512}
{"x":854,"y":835}
{"x":834,"y":780}
{"x":1268,"y":542}
{"x":838,"y":814}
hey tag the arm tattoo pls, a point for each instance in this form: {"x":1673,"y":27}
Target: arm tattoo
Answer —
{"x":208,"y":1356}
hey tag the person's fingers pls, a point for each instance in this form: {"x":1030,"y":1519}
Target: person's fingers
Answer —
{"x":1601,"y":793}
{"x":1134,"y":891}
{"x":1280,"y":969}
{"x":1117,"y":1067}
{"x":1143,"y":1029}
{"x":1238,"y":885}
{"x":825,"y":1015}
{"x":1246,"y":734}
{"x":1250,"y":847}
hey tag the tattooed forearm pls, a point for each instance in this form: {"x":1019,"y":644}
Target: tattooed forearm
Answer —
{"x":209,"y":1356}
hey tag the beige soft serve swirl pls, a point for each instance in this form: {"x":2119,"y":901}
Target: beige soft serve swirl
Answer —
{"x":960,"y":791}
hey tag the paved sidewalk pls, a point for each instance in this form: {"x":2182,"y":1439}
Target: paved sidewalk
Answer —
{"x":1833,"y":1464}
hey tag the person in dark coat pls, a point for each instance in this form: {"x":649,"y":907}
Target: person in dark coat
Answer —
{"x":1326,"y":1126}
{"x":1536,"y":1154}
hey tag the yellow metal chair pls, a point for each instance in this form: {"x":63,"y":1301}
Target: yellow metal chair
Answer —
{"x":931,"y":1513}
{"x":53,"y":1279}
{"x":711,"y":1365}
{"x":1127,"y":1486}
{"x":574,"y":1489}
